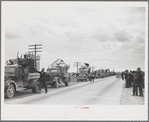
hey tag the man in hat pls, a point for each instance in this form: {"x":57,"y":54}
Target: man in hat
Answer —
{"x":127,"y":78}
{"x":135,"y":84}
{"x":92,"y":76}
{"x":140,"y":81}
{"x":42,"y":79}
{"x":24,"y":61}
{"x":122,"y":75}
{"x":131,"y":78}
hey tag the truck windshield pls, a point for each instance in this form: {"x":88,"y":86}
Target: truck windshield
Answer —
{"x":10,"y":69}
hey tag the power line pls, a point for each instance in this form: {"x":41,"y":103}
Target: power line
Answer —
{"x":35,"y":50}
{"x":77,"y":64}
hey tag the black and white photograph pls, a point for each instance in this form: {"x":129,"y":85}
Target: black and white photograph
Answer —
{"x":74,"y":60}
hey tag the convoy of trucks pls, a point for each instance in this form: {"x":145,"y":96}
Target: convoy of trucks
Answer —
{"x":85,"y":73}
{"x":101,"y":73}
{"x":20,"y":74}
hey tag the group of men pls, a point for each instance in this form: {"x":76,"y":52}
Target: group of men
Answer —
{"x":134,"y":79}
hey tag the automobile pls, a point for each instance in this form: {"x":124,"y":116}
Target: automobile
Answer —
{"x":118,"y":75}
{"x":58,"y":74}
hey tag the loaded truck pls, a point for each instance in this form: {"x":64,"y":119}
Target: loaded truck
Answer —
{"x":84,"y":73}
{"x":107,"y":72}
{"x":118,"y":74}
{"x":20,"y":75}
{"x":57,"y":74}
{"x":99,"y":73}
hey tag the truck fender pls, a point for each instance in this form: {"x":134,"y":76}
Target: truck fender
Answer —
{"x":32,"y":83}
{"x":8,"y":82}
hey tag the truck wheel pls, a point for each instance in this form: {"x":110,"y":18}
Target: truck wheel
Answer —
{"x":52,"y":84}
{"x":66,"y":83}
{"x":56,"y":85}
{"x":10,"y":91}
{"x":36,"y":89}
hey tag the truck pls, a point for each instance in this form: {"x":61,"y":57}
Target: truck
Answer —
{"x":57,"y":74}
{"x":18,"y":77}
{"x":107,"y":72}
{"x":84,"y":73}
{"x":112,"y":73}
{"x":99,"y":73}
{"x":118,"y":74}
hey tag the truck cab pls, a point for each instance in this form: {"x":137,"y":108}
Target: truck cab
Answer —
{"x":14,"y":73}
{"x":57,"y":75}
{"x":18,"y":78}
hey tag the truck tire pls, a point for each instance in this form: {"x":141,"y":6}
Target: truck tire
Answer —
{"x":37,"y":88}
{"x":52,"y":84}
{"x":56,"y":85}
{"x":10,"y":91}
{"x":66,"y":83}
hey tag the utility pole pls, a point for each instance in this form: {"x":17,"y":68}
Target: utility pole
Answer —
{"x":77,"y":64}
{"x":34,"y":48}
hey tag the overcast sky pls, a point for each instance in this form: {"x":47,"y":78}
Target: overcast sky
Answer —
{"x":104,"y":37}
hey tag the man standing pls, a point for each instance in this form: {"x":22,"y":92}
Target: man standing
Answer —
{"x":143,"y":80}
{"x":92,"y":76}
{"x":135,"y":84}
{"x":42,"y":79}
{"x":122,"y":75}
{"x":131,"y":78}
{"x":127,"y":78}
{"x":140,"y":81}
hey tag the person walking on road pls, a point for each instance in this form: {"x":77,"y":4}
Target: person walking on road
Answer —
{"x":92,"y":76}
{"x":42,"y":79}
